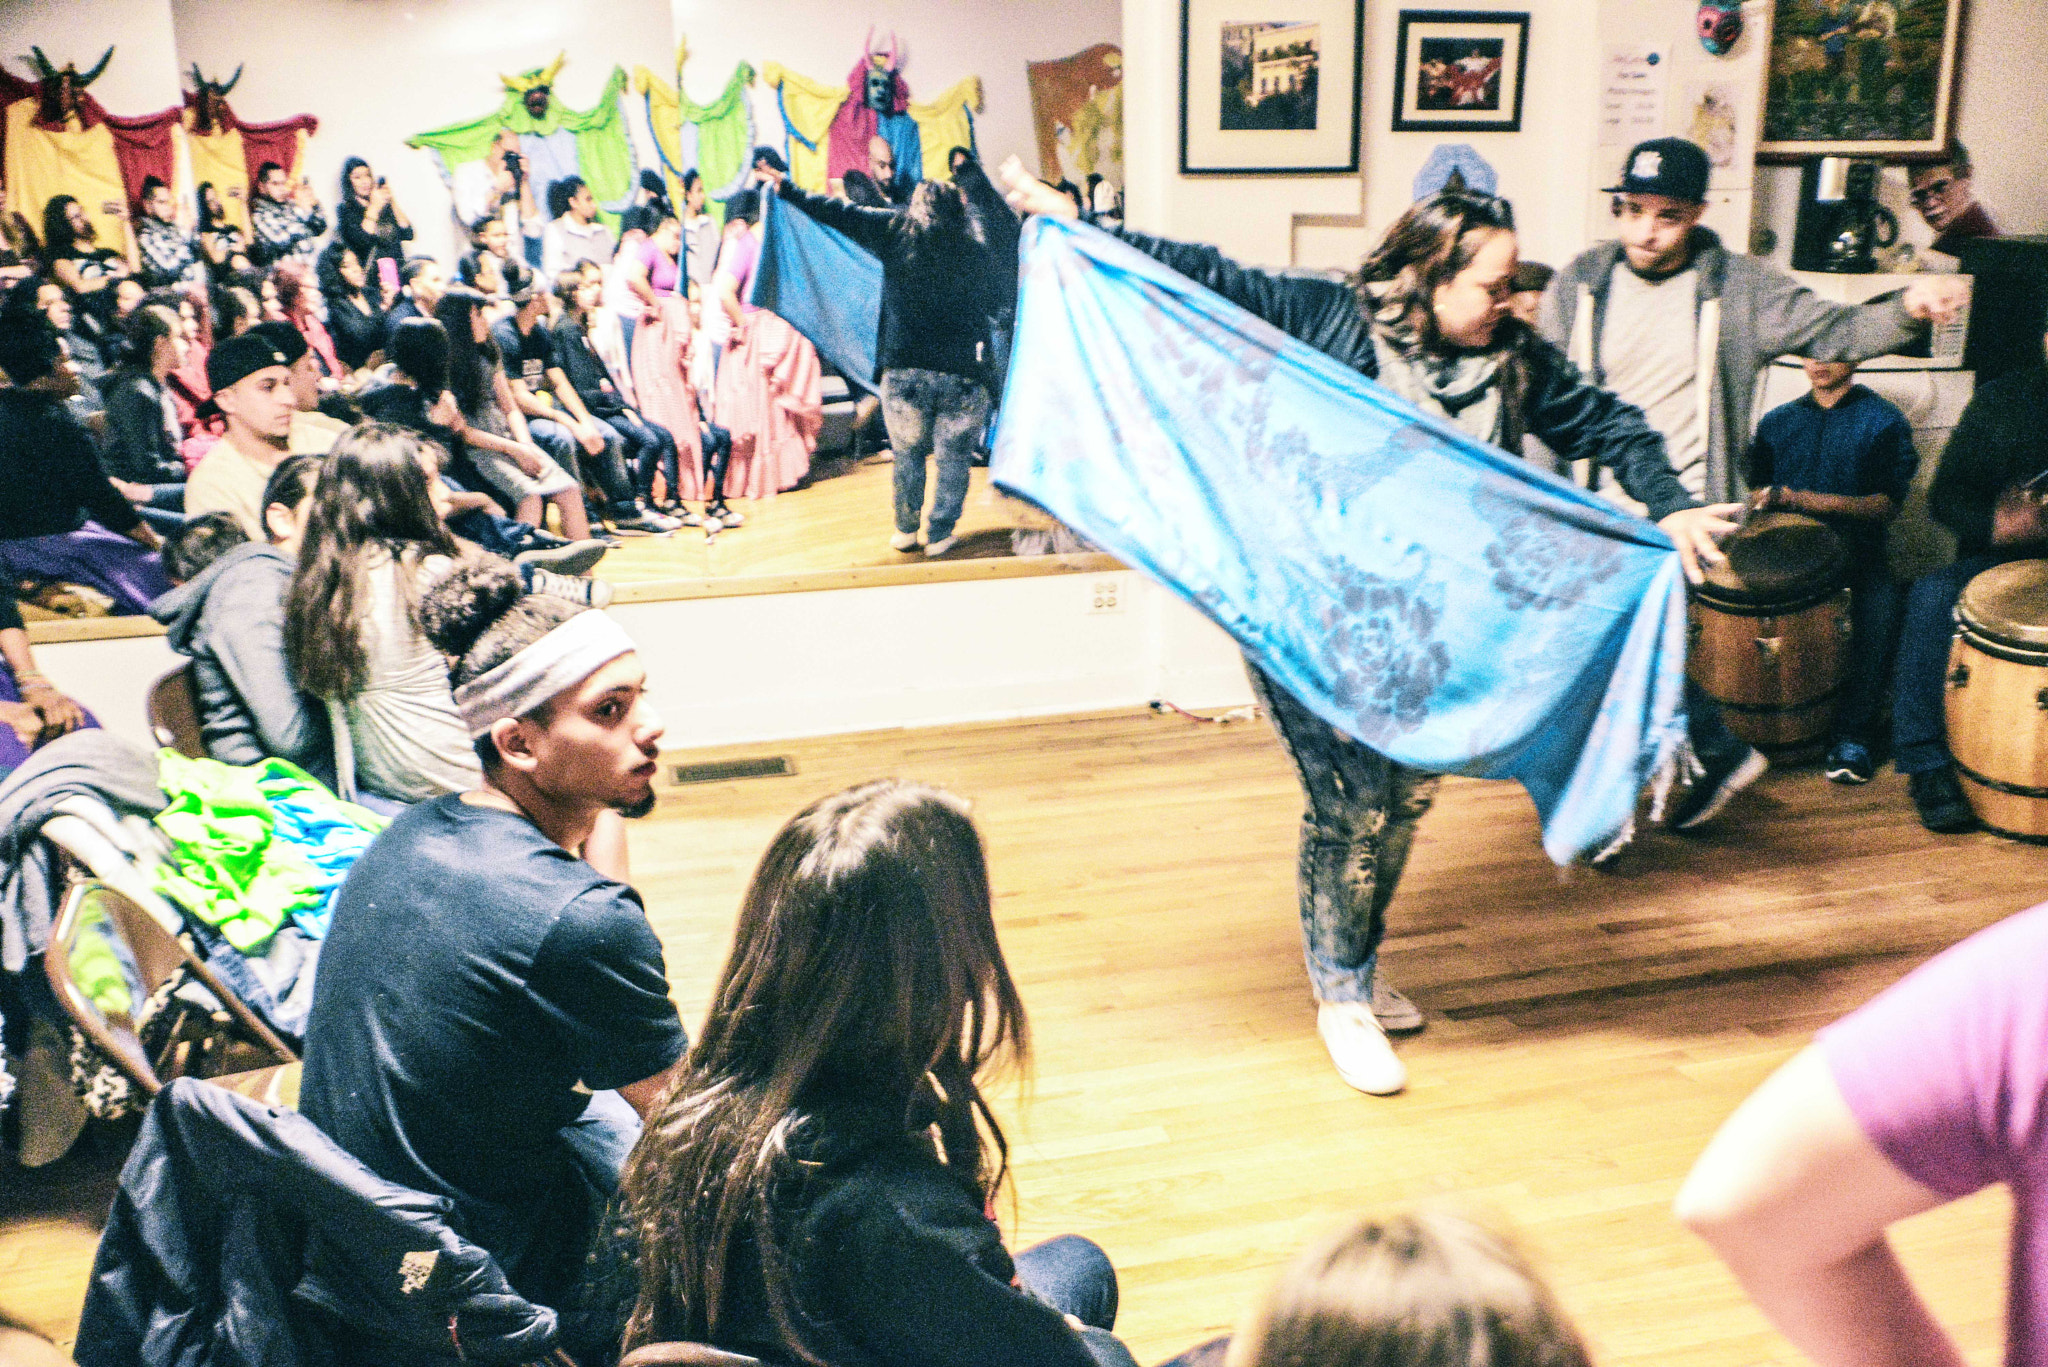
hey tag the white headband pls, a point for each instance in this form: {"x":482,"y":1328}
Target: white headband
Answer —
{"x":563,"y":658}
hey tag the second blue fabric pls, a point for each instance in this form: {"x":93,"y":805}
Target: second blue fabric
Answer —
{"x":823,"y":284}
{"x":1448,"y":604}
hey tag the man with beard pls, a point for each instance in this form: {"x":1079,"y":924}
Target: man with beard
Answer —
{"x":492,"y":1020}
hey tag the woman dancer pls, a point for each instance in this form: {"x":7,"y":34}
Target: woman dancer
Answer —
{"x":1427,"y":316}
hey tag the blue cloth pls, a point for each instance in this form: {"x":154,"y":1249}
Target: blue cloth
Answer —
{"x":824,"y":285}
{"x":330,"y":842}
{"x":1448,"y":604}
{"x":1863,"y":445}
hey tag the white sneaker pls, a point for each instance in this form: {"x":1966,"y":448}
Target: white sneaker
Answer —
{"x":935,"y":549}
{"x":1364,"y":1056}
{"x":903,"y":541}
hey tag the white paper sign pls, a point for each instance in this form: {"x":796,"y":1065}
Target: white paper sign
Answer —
{"x":1632,"y":95}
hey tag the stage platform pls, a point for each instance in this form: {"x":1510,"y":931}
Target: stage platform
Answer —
{"x":1587,"y":1031}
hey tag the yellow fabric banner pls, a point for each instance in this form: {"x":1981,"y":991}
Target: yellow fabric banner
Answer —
{"x":809,"y":109}
{"x":217,"y":161}
{"x":41,"y":165}
{"x":946,"y":123}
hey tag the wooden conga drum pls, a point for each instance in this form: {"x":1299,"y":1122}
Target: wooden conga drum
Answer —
{"x":1998,"y":697}
{"x":1770,"y":630}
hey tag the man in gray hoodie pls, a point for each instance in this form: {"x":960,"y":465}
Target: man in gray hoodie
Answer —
{"x":229,"y":619}
{"x":1673,"y":322}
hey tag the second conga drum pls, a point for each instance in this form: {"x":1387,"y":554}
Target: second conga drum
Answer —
{"x":1770,"y":630}
{"x":1998,"y":697}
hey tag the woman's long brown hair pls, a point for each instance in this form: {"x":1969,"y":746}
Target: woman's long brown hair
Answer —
{"x":371,"y":498}
{"x":1427,"y":246}
{"x":865,"y":968}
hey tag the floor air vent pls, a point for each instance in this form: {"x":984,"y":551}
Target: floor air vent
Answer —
{"x":720,"y":770}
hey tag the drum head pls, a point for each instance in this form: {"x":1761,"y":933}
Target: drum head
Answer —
{"x":2009,"y":603}
{"x":1777,"y":558}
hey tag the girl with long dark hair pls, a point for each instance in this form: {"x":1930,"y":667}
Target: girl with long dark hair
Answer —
{"x":221,"y":243}
{"x":355,"y":305}
{"x":814,"y":1188}
{"x":141,"y":451}
{"x":1426,"y":316}
{"x":72,"y":250}
{"x":499,"y":447}
{"x":939,"y":289}
{"x":373,"y":541}
{"x":369,"y":219}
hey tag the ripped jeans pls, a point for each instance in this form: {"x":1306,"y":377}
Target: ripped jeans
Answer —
{"x":1355,"y":834}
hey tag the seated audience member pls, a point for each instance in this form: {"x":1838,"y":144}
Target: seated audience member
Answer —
{"x":300,"y":300}
{"x":168,"y":253}
{"x":251,"y":382}
{"x":530,"y":1004}
{"x":558,"y":421}
{"x":817,"y":1185}
{"x":420,"y":295}
{"x":416,"y":397}
{"x":1945,"y":193}
{"x":1846,"y":456}
{"x":575,"y":234}
{"x":285,"y":222}
{"x":54,"y":302}
{"x":355,"y":307}
{"x":1531,"y":278}
{"x":313,"y":430}
{"x":267,"y":293}
{"x":128,"y":297}
{"x":219,"y":241}
{"x":490,"y":267}
{"x":582,"y":372}
{"x":141,"y":450}
{"x":77,"y":260}
{"x":228,"y":617}
{"x":61,"y":519}
{"x":373,"y":542}
{"x":1987,"y":491}
{"x":1926,"y":1094}
{"x":498,"y":446}
{"x":21,"y":255}
{"x":1427,"y":1288}
{"x":368,"y":219}
{"x":236,"y":309}
{"x":700,"y":236}
{"x":32,"y":711}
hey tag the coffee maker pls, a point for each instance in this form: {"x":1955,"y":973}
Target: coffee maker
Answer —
{"x":1840,"y":225}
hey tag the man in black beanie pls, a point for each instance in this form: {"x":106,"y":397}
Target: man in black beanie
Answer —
{"x":251,"y":379}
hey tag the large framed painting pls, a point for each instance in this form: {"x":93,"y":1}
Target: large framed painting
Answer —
{"x":1460,"y":71}
{"x":1861,"y":78}
{"x":1270,"y":87}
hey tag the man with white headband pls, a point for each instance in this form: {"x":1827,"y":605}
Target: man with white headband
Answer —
{"x":491,"y":1018}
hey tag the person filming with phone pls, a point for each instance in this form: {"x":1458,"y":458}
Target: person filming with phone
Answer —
{"x":285,"y":222}
{"x":369,"y":219}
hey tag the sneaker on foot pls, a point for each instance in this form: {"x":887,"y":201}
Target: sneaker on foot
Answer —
{"x":934,"y":549}
{"x":643,"y":524}
{"x":591,"y":593}
{"x":726,"y":516}
{"x":1363,"y":1054}
{"x":903,"y":541}
{"x":1711,"y":790}
{"x":1938,"y":798}
{"x":1849,"y":761}
{"x":566,"y":557}
{"x":1391,"y":1007}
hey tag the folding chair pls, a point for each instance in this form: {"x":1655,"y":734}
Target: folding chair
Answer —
{"x":174,"y":713}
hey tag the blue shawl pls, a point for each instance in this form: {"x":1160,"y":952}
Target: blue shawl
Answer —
{"x":822,"y":283}
{"x":1444,"y":602}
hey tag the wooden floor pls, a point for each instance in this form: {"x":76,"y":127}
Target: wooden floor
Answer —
{"x":1587,"y":1031}
{"x":841,"y":520}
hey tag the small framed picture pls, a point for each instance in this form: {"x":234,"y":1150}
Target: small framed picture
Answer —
{"x":1861,"y":80}
{"x":1460,"y":71}
{"x":1270,"y":87}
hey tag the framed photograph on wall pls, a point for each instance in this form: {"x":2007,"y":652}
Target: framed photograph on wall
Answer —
{"x":1460,"y":71}
{"x":1863,"y":78}
{"x":1270,"y":87}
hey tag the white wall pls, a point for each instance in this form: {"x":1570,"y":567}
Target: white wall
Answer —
{"x":944,"y":40}
{"x":143,"y":77}
{"x":377,"y":73}
{"x":810,"y":664}
{"x":1546,"y":169}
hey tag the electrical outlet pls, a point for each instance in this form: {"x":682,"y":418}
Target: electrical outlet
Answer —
{"x":1106,"y":595}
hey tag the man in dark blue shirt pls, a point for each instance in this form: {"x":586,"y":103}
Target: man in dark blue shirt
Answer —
{"x":1845,"y":456}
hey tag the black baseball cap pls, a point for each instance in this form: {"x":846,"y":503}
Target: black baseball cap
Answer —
{"x":284,"y":337}
{"x":236,"y":359}
{"x":1671,"y":167}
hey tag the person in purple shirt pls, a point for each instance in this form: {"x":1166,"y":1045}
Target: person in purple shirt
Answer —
{"x":1936,"y":1089}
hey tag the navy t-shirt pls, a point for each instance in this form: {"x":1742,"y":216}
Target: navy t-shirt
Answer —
{"x":477,"y":983}
{"x":1863,"y":445}
{"x":527,"y":354}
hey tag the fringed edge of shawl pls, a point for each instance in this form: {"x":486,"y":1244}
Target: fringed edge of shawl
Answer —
{"x":1680,"y":759}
